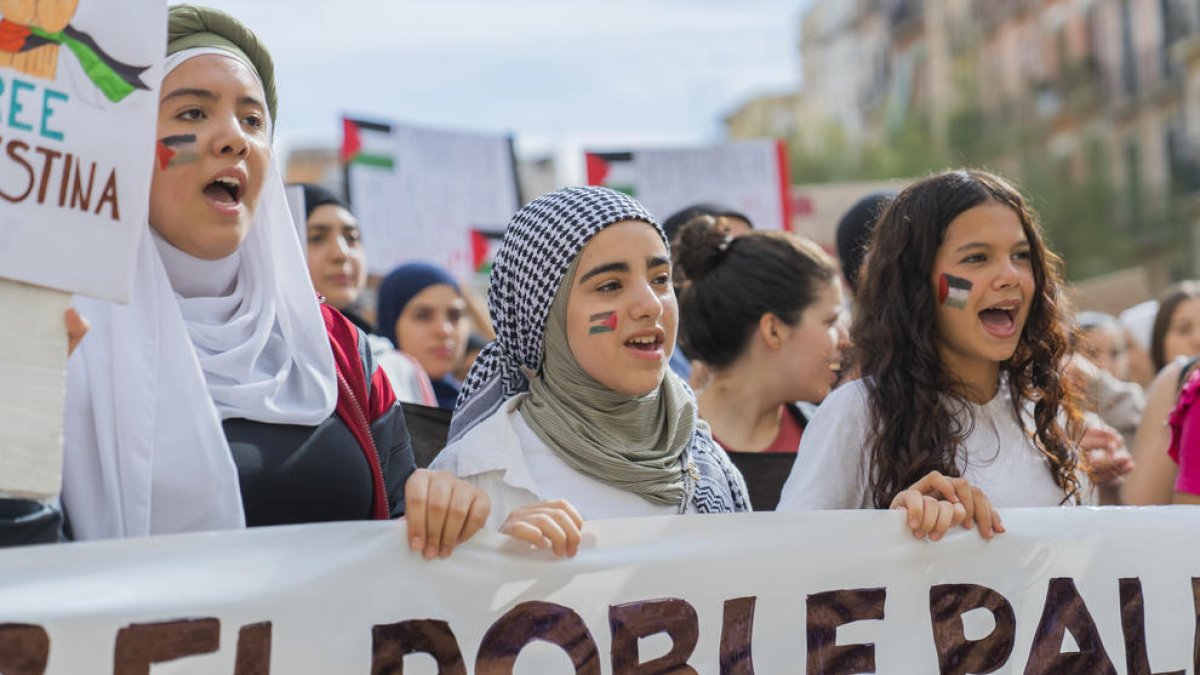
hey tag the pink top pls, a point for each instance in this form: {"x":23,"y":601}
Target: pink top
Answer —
{"x":1185,"y":436}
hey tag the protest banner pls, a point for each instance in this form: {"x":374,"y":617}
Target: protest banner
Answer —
{"x":78,"y":109}
{"x":749,"y":176}
{"x":428,"y":195}
{"x":1071,"y":590}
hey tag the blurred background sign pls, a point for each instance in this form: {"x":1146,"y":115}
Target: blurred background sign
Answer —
{"x":748,"y":176}
{"x":430,"y":195}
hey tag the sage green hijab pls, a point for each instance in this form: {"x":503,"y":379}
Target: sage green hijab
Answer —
{"x":191,"y":27}
{"x":635,"y":443}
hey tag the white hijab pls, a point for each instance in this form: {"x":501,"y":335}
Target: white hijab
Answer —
{"x":199,"y":342}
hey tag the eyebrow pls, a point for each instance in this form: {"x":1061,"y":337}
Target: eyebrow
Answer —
{"x":209,"y":96}
{"x":651,"y":263}
{"x":601,"y":269}
{"x":190,"y":91}
{"x":979,"y":245}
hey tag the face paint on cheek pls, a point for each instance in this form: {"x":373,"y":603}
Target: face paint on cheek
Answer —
{"x":953,"y":291}
{"x":176,"y":150}
{"x":604,"y":322}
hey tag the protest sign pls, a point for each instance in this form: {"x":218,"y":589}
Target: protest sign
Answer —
{"x":78,"y":109}
{"x":427,"y":195}
{"x":1070,"y":590}
{"x":748,"y":176}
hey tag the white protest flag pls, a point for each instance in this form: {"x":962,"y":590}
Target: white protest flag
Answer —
{"x":750,"y":177}
{"x":78,"y":107}
{"x":1070,"y":590}
{"x":426,"y":194}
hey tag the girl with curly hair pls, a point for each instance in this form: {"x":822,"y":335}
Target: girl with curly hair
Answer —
{"x":961,"y":344}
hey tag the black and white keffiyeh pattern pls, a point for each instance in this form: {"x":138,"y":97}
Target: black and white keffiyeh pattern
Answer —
{"x":539,"y":246}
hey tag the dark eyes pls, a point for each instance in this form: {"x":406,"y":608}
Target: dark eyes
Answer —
{"x":613,"y":286}
{"x":254,"y":121}
{"x":981,"y":258}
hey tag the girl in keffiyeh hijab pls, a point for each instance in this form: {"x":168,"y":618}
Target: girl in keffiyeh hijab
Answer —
{"x":574,"y":398}
{"x":223,"y":395}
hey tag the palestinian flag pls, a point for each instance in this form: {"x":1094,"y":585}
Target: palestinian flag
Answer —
{"x":367,"y":144}
{"x":115,"y":79}
{"x":484,"y":244}
{"x":953,"y":291}
{"x":614,"y":170}
{"x":603,"y":322}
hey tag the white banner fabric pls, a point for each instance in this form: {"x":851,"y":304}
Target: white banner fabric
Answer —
{"x":1072,"y":590}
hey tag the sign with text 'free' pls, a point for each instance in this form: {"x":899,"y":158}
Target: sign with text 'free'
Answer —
{"x":78,"y":110}
{"x":1070,"y":590}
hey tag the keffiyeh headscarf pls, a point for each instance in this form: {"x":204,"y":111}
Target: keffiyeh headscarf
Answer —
{"x":540,"y":247}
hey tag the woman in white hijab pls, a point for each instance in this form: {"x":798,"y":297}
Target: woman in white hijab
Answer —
{"x":223,"y":395}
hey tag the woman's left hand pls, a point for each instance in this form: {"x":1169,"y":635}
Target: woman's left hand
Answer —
{"x":938,"y":502}
{"x":442,"y":512}
{"x":1107,"y":458}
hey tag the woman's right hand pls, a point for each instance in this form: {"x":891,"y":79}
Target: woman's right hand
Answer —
{"x":553,"y":525}
{"x":938,"y":502}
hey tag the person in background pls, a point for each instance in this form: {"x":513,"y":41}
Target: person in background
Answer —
{"x":1104,"y":342}
{"x":1174,"y":344}
{"x":1176,"y":331}
{"x":727,"y":221}
{"x":1100,"y":368}
{"x":1184,"y":448}
{"x":337,"y":265}
{"x":960,"y":337}
{"x":422,"y":311}
{"x":475,"y":344}
{"x":854,"y":233}
{"x":761,"y":312}
{"x":223,"y":395}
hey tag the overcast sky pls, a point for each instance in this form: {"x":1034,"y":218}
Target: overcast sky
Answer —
{"x":559,"y":74}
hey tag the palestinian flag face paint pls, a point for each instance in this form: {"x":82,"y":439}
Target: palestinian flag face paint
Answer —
{"x":604,"y":322}
{"x":953,"y":291}
{"x":176,"y":150}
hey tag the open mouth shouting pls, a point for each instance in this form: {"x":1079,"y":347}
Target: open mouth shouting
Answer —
{"x":647,"y":344}
{"x":1000,"y":319}
{"x":225,"y":191}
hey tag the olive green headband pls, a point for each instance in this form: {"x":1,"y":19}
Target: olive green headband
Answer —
{"x":191,"y":27}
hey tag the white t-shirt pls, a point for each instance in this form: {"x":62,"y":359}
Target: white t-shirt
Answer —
{"x":830,"y":472}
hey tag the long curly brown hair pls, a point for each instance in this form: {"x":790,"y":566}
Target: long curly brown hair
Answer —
{"x":916,"y":405}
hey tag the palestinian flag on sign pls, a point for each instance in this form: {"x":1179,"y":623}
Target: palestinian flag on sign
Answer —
{"x":115,"y":79}
{"x":612,"y":170}
{"x":367,"y":144}
{"x":484,"y":244}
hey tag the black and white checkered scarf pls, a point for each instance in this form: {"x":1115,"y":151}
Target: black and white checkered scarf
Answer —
{"x":540,"y":244}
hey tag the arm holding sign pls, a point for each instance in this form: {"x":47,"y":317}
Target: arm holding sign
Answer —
{"x":28,"y":521}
